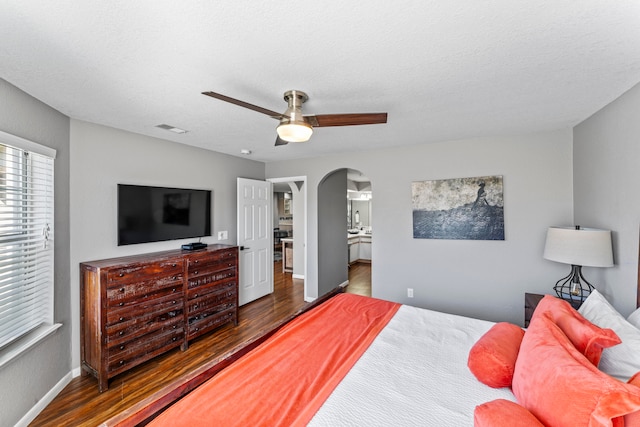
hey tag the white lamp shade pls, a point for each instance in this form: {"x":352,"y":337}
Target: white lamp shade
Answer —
{"x":294,"y":131}
{"x":589,"y":247}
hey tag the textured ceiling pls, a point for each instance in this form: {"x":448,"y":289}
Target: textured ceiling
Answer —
{"x":441,"y":69}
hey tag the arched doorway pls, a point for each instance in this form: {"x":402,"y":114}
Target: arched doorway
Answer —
{"x":336,"y":218}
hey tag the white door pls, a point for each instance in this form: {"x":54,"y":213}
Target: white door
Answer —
{"x":255,"y":239}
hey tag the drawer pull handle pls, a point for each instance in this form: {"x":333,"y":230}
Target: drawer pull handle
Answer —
{"x":195,"y":272}
{"x":121,"y":304}
{"x":121,"y":319}
{"x":195,"y":306}
{"x":173,"y":290}
{"x":175,"y":277}
{"x":174,"y":338}
{"x":173,"y":302}
{"x":121,"y":347}
{"x":195,"y":296}
{"x":121,"y":333}
{"x":121,"y":275}
{"x":122,"y":290}
{"x":173,"y":265}
{"x":121,"y":362}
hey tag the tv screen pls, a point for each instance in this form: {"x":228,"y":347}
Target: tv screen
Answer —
{"x":154,"y":214}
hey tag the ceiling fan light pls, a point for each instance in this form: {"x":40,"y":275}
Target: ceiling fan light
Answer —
{"x":294,"y":131}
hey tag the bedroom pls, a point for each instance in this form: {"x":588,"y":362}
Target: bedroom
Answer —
{"x":583,"y":174}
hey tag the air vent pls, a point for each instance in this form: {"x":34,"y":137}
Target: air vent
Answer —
{"x":171,"y":128}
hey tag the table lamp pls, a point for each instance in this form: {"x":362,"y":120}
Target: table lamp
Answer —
{"x":590,"y":247}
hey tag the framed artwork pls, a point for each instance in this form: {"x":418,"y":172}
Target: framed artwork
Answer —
{"x":460,"y":209}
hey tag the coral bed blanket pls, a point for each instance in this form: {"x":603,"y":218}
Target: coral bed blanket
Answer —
{"x":286,"y":379}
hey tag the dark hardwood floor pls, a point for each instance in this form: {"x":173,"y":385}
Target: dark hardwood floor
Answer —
{"x":80,"y":403}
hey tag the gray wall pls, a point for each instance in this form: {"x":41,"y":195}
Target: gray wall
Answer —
{"x":102,"y":157}
{"x":27,"y":379}
{"x":485,"y":279}
{"x":606,"y":167}
{"x":333,"y":255}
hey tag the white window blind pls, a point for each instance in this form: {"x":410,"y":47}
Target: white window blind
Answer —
{"x":26,"y":241}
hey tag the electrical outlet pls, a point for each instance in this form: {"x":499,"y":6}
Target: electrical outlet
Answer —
{"x":223,"y":235}
{"x":410,"y":292}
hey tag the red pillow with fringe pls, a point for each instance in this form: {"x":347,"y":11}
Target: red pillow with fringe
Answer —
{"x":587,"y":338}
{"x":558,"y":385}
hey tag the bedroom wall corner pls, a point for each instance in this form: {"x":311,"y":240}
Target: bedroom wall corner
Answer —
{"x":103,"y":156}
{"x":484,"y":279}
{"x":606,"y":177}
{"x":28,"y":380}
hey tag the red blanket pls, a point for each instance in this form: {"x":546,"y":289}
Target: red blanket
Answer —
{"x":286,"y":379}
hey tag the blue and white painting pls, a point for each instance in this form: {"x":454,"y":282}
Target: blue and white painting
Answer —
{"x":460,"y":209}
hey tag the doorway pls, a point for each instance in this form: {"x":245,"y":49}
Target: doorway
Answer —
{"x":289,"y":221}
{"x":359,"y":230}
{"x":344,"y":238}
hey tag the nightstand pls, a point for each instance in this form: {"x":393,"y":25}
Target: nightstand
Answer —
{"x":531,"y":302}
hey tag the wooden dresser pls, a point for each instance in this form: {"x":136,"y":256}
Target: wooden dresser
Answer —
{"x":135,"y":308}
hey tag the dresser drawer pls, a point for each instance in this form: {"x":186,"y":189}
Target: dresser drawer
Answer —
{"x":211,"y":287}
{"x":139,"y":351}
{"x":158,"y":326}
{"x":205,"y":322}
{"x":212,"y":303}
{"x":207,"y":277}
{"x":141,"y":314}
{"x":220,"y":260}
{"x":144,"y":271}
{"x":134,"y":293}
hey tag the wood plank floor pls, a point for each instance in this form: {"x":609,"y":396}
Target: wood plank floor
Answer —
{"x":80,"y":403}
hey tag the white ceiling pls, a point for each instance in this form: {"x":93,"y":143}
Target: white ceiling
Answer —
{"x":441,"y":69}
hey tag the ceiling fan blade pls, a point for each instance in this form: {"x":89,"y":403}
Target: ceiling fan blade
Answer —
{"x":280,"y":141}
{"x":225,"y":98}
{"x":321,"y":120}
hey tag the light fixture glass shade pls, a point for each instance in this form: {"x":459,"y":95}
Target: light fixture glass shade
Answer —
{"x":588,"y":247}
{"x":294,"y":131}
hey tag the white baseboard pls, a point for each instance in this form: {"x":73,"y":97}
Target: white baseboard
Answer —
{"x":297,"y":276}
{"x":76,"y":372}
{"x":46,"y":399}
{"x":344,"y":284}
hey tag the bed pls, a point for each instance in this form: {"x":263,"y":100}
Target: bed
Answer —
{"x":354,"y":360}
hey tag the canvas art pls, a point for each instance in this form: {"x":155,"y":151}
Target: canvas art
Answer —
{"x":460,"y":208}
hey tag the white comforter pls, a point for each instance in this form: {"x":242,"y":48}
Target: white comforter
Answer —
{"x":414,"y":374}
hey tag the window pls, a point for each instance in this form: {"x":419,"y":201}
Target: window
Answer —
{"x":26,"y":238}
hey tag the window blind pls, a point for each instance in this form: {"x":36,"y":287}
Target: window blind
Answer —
{"x":26,"y":242}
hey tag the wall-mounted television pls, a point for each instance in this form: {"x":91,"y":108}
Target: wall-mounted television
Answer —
{"x":153,"y":214}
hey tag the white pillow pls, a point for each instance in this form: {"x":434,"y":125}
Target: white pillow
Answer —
{"x":623,"y":360}
{"x":634,"y":318}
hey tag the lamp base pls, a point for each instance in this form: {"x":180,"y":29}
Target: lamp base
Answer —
{"x":573,"y":287}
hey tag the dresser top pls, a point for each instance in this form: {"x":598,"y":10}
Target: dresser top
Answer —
{"x":152,"y":256}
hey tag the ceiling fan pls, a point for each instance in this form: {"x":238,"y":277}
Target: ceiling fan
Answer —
{"x":294,"y":127}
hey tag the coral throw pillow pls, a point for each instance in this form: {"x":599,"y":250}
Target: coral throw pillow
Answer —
{"x":588,"y":339}
{"x":634,"y":418}
{"x":492,"y":358}
{"x":558,"y":385}
{"x":503,"y":413}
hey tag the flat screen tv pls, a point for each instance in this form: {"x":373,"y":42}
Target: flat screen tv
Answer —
{"x":153,"y":214}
